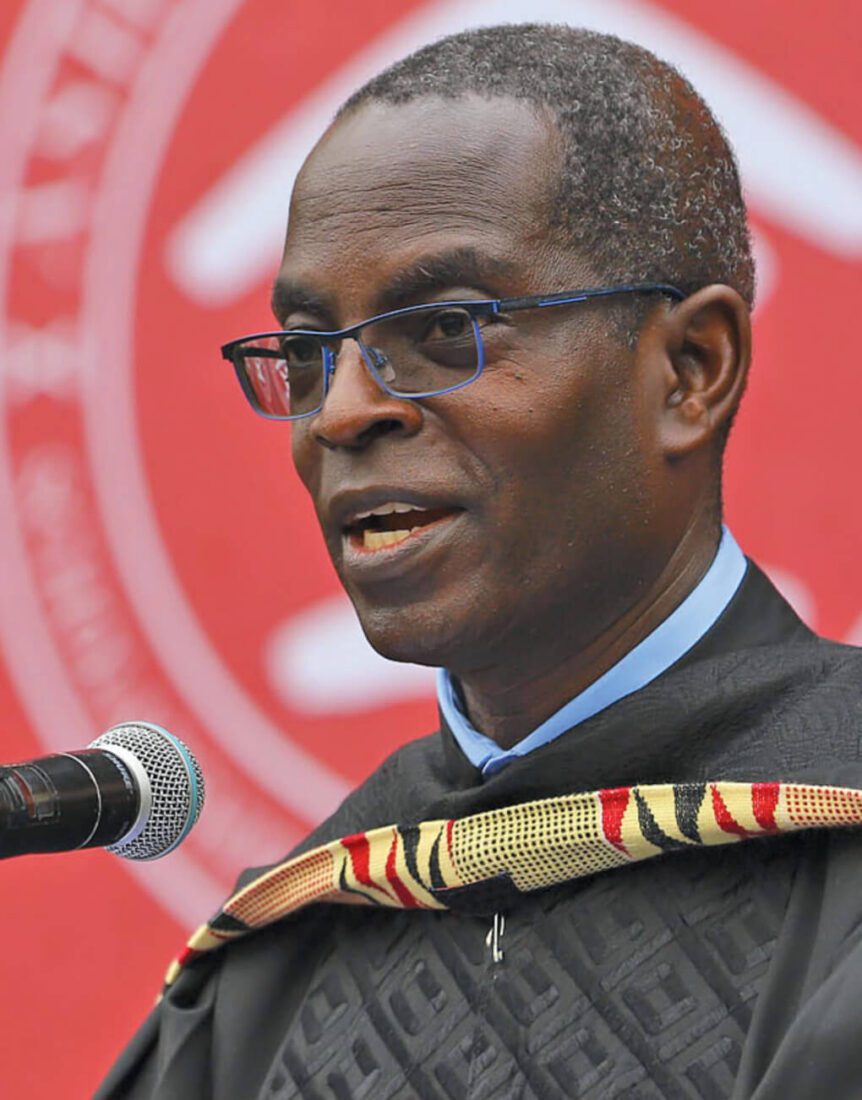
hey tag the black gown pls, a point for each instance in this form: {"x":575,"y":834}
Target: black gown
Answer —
{"x":708,"y":973}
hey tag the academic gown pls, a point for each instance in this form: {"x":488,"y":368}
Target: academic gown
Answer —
{"x":705,"y":973}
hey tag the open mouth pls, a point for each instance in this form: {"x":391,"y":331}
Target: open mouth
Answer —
{"x":391,"y":524}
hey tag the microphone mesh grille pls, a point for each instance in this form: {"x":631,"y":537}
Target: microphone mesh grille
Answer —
{"x":176,"y":783}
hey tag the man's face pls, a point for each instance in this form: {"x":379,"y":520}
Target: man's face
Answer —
{"x":537,"y":476}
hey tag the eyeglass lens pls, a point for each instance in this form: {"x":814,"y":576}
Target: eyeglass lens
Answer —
{"x":419,"y":353}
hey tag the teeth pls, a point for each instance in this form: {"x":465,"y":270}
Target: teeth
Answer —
{"x":373,"y":540}
{"x":387,"y":510}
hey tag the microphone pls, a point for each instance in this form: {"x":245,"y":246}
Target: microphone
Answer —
{"x":137,"y":790}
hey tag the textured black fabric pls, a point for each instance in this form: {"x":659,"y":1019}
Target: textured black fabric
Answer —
{"x":641,"y":984}
{"x":708,"y":974}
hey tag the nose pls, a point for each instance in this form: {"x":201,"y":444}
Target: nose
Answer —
{"x":356,"y":410}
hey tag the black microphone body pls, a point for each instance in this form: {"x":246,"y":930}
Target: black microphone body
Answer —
{"x":137,"y":790}
{"x":84,"y":799}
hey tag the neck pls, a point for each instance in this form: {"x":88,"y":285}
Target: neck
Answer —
{"x":511,"y":699}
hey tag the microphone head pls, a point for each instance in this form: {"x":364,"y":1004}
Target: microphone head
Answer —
{"x":170,"y":783}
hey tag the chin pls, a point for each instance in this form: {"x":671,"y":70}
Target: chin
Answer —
{"x":401,"y":635}
{"x":401,"y":645}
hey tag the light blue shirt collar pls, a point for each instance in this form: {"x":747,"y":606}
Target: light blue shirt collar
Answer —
{"x":670,"y":640}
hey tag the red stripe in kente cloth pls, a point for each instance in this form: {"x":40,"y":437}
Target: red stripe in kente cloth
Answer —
{"x":404,"y":895}
{"x":726,"y":821}
{"x":614,"y":804}
{"x":450,"y":825}
{"x":764,"y":800}
{"x":360,"y":858}
{"x":186,"y":955}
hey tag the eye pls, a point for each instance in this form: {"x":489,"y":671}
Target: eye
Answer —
{"x":300,"y":350}
{"x":448,"y":324}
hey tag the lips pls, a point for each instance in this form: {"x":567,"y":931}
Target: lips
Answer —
{"x":378,"y":521}
{"x":391,"y":523}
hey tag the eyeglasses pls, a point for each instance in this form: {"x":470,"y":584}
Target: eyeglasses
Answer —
{"x":415,"y":352}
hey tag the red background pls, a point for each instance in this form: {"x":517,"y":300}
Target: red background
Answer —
{"x":84,"y":944}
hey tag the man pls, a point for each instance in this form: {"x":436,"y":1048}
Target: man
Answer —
{"x":519,"y":482}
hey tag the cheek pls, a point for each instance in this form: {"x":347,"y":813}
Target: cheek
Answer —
{"x":532,"y":411}
{"x":572,"y":458}
{"x":303,"y":451}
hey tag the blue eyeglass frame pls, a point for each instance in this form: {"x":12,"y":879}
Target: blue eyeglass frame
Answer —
{"x":474,"y":307}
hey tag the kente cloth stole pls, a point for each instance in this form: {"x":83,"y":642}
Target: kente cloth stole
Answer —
{"x":532,"y":845}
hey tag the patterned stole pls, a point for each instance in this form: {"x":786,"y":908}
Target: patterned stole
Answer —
{"x":530,"y":846}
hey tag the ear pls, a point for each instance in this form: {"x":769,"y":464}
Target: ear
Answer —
{"x":702,"y":347}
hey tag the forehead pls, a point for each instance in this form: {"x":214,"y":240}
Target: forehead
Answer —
{"x":388,"y":185}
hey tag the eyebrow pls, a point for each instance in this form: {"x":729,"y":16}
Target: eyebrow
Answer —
{"x":290,"y":297}
{"x":457,"y":267}
{"x":461,"y":267}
